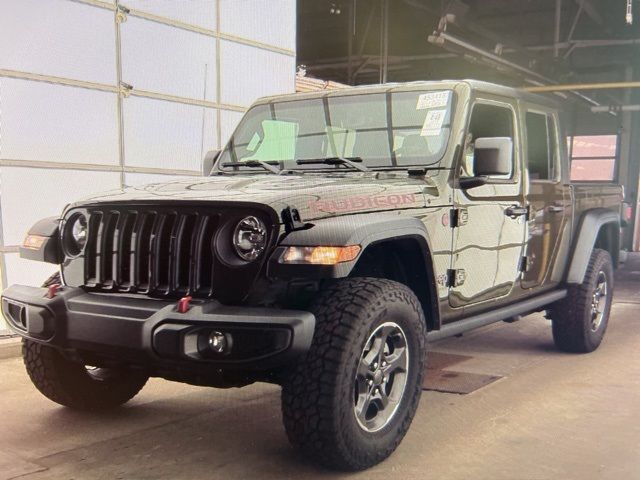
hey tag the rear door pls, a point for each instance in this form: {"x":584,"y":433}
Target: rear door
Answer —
{"x":547,"y":196}
{"x":488,"y":242}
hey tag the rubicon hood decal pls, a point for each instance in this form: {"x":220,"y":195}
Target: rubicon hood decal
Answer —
{"x":315,"y":196}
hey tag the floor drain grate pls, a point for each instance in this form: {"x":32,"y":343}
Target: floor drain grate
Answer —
{"x":448,"y":381}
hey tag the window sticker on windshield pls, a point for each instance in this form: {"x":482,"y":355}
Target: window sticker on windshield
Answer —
{"x":433,"y":123}
{"x":433,"y":100}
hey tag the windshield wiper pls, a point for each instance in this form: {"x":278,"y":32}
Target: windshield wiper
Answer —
{"x":352,"y":162}
{"x":253,"y":164}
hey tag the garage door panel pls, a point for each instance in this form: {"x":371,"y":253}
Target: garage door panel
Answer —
{"x":260,"y":73}
{"x":59,"y":38}
{"x":201,"y":13}
{"x":164,"y":59}
{"x":169,"y":135}
{"x":46,"y":122}
{"x":248,"y":19}
{"x":30,"y":194}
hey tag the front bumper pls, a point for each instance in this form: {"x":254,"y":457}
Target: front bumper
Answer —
{"x":144,"y":331}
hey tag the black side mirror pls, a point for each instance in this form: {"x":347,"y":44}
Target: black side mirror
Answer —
{"x":208,"y":161}
{"x":493,"y":156}
{"x":467,"y":183}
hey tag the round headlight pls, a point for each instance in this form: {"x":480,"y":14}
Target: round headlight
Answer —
{"x":76,"y":234}
{"x":250,"y":238}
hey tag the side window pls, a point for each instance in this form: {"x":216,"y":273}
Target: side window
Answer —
{"x":542,"y":146}
{"x":487,"y":121}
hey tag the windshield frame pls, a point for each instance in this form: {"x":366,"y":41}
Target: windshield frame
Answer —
{"x":289,"y":165}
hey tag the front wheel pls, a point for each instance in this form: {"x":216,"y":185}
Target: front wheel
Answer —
{"x":351,"y":400}
{"x":75,"y":385}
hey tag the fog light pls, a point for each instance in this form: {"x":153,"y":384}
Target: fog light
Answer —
{"x":220,"y":343}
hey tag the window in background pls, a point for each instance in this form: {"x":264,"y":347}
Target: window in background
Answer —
{"x":541,"y":146}
{"x":593,"y":158}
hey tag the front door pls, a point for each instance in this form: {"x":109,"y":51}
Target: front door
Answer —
{"x":489,"y":237}
{"x":545,"y":196}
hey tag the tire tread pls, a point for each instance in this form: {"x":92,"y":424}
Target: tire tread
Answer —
{"x":309,"y":393}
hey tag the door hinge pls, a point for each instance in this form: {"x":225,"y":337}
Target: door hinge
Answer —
{"x":523,"y":266}
{"x":456,"y":278}
{"x":458,"y":217}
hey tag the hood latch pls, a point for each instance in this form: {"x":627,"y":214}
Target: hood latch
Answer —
{"x":292,"y":221}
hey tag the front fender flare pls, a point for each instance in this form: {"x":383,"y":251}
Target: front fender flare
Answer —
{"x":363,"y":230}
{"x":50,"y":251}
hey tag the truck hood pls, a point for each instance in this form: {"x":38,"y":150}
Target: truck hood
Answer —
{"x":314,"y":196}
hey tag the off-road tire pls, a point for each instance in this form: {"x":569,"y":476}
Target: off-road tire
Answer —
{"x":318,"y":396}
{"x":71,"y":384}
{"x":572,"y":317}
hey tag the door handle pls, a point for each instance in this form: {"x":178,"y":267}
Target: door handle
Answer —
{"x":516,"y":211}
{"x":555,"y":209}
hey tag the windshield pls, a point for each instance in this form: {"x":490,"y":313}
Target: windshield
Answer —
{"x":399,"y":129}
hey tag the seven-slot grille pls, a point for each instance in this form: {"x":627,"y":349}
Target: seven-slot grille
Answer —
{"x":151,"y":251}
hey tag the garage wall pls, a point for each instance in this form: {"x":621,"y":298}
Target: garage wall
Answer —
{"x":95,"y":95}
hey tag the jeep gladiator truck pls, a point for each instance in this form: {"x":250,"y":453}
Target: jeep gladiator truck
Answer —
{"x":334,"y":235}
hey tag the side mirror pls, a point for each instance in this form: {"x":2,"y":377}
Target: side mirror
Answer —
{"x":467,"y":183}
{"x":493,"y":156}
{"x":208,"y":161}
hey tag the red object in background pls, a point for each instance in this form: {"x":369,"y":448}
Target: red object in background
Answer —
{"x":627,"y":212}
{"x":183,"y":304}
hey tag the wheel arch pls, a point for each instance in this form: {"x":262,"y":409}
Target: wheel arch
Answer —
{"x":599,"y":228}
{"x":399,"y":244}
{"x":406,"y":260}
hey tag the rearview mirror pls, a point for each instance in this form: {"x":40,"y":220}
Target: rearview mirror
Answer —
{"x":493,"y":156}
{"x":208,"y":161}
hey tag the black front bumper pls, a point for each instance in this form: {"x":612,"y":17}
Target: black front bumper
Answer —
{"x":150,"y":332}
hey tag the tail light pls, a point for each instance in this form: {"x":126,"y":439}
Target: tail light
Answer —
{"x":627,"y":214}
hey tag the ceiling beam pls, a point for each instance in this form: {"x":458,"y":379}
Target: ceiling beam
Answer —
{"x":582,"y":86}
{"x":591,"y":11}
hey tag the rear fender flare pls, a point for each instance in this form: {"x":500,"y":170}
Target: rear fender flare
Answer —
{"x":592,"y":222}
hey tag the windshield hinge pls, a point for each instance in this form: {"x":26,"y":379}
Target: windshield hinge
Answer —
{"x":292,"y":221}
{"x":458,"y":217}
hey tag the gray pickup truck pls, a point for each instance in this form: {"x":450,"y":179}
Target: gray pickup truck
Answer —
{"x":333,"y":236}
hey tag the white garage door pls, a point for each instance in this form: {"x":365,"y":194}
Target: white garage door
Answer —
{"x":99,"y":94}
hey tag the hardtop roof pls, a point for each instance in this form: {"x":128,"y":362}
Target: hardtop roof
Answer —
{"x":474,"y":85}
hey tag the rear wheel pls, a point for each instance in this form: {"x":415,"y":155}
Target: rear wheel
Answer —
{"x":580,"y":320}
{"x":351,"y":400}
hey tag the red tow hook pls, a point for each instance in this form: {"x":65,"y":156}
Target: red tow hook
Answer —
{"x":183,"y":304}
{"x":53,"y":290}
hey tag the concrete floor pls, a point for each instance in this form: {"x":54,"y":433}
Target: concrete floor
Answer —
{"x":553,"y":416}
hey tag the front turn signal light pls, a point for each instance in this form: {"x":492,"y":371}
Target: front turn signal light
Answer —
{"x":320,"y":255}
{"x":34,"y":242}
